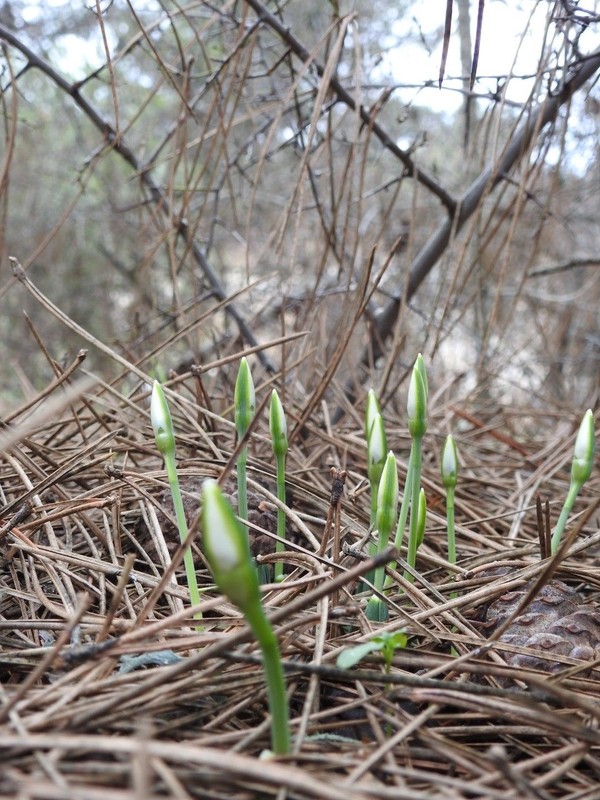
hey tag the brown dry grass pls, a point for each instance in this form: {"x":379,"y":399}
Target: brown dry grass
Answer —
{"x":86,"y":583}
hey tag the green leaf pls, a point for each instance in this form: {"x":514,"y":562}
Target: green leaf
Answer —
{"x":350,"y":657}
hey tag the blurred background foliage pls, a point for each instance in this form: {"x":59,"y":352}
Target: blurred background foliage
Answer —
{"x":288,"y":194}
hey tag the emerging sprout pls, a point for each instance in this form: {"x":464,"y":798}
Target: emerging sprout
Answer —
{"x":449,"y":469}
{"x":385,"y":518}
{"x":422,"y":517}
{"x":226,"y":548}
{"x":229,"y":558}
{"x":581,"y":469}
{"x":376,"y":451}
{"x":376,"y":447}
{"x":164,"y":436}
{"x":583,"y":453}
{"x":416,"y":405}
{"x":244,"y":398}
{"x":244,"y":404}
{"x":387,"y":500}
{"x":162,"y":423}
{"x":417,"y":425}
{"x":449,"y":463}
{"x":279,"y":441}
{"x":278,"y":425}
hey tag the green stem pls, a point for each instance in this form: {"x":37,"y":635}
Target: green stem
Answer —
{"x":406,"y":500}
{"x":450,"y":524}
{"x":278,"y":704}
{"x":377,"y":610}
{"x":188,"y":558}
{"x":415,"y":484}
{"x":242,"y":485}
{"x":450,"y":527}
{"x":574,"y":490}
{"x":280,"y":544}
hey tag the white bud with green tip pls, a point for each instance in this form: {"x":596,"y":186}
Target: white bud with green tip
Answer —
{"x":226,"y":548}
{"x":371,"y":411}
{"x":449,"y":470}
{"x":164,"y":436}
{"x":583,"y":453}
{"x":416,"y":407}
{"x":417,"y":400}
{"x":244,"y":407}
{"x":385,"y":518}
{"x":277,"y":425}
{"x":449,"y":463}
{"x":230,"y":561}
{"x":376,"y":447}
{"x":387,"y":499}
{"x":581,"y":469}
{"x":420,"y":367}
{"x":279,"y":442}
{"x":244,"y":398}
{"x":162,"y":423}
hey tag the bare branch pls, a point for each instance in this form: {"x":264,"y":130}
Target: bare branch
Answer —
{"x":489,"y":179}
{"x":118,"y":144}
{"x":411,"y":169}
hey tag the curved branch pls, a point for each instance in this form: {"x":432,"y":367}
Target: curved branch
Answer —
{"x":118,"y":144}
{"x":518,"y":146}
{"x":410,"y":168}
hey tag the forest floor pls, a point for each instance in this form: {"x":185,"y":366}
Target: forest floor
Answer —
{"x":109,"y":690}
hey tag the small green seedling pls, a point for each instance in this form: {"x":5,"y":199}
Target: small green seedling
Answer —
{"x":164,"y":436}
{"x":279,"y":442}
{"x":385,"y":643}
{"x":449,"y":469}
{"x":581,"y":469}
{"x":230,"y":561}
{"x":244,"y":406}
{"x":416,"y":407}
{"x":385,"y":519}
{"x":376,"y":447}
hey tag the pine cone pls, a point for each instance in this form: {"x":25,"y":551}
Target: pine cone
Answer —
{"x":555,"y":622}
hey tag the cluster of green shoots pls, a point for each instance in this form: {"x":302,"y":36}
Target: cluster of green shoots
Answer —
{"x":225,"y":536}
{"x":385,"y":492}
{"x":383,"y":477}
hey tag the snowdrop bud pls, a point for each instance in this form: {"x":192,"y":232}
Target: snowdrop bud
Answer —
{"x":449,"y":463}
{"x":417,"y":400}
{"x":244,"y":398}
{"x":387,"y":495}
{"x":162,"y":424}
{"x":278,"y":426}
{"x":376,"y":443}
{"x":583,"y":454}
{"x":226,"y":548}
{"x":372,"y":410}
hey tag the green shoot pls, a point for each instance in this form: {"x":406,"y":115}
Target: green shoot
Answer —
{"x":385,"y":643}
{"x":279,"y":442}
{"x":417,"y":425}
{"x":376,"y":447}
{"x":244,"y":403}
{"x":164,"y":436}
{"x":581,"y":469}
{"x":421,"y":517}
{"x":230,"y":561}
{"x":376,"y":455}
{"x":449,"y":469}
{"x":387,"y":508}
